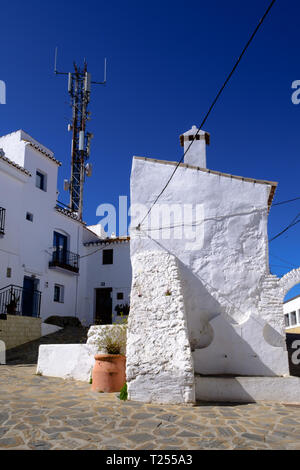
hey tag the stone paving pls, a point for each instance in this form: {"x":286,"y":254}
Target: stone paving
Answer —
{"x":48,"y":413}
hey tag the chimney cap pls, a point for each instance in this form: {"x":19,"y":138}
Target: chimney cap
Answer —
{"x":188,"y":135}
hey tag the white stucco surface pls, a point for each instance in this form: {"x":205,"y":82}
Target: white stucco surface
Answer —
{"x":242,"y":349}
{"x":248,"y":389}
{"x":159,"y":361}
{"x":116,"y":276}
{"x":195,"y":154}
{"x":68,"y":361}
{"x":215,"y":226}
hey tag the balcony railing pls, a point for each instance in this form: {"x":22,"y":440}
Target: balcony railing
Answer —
{"x":2,"y":220}
{"x":15,"y":300}
{"x":65,"y":259}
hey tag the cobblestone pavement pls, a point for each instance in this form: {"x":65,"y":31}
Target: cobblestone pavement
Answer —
{"x":48,"y":413}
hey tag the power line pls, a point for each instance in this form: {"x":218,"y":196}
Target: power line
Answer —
{"x":281,"y":266}
{"x":284,"y":230}
{"x":285,"y":202}
{"x":284,"y":260}
{"x":211,"y":106}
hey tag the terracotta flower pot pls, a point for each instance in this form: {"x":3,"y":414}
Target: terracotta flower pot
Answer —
{"x":108,"y":373}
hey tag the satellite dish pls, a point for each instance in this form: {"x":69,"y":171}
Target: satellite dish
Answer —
{"x":88,"y":169}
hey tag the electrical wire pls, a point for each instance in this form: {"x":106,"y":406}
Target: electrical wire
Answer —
{"x":285,"y":202}
{"x":284,"y":230}
{"x":211,"y":106}
{"x":284,"y":261}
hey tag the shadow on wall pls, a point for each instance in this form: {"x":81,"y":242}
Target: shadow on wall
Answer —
{"x":219,"y":344}
{"x":210,"y":389}
{"x":199,"y":304}
{"x":241,"y":350}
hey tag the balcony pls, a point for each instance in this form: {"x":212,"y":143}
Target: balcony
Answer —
{"x":15,"y":300}
{"x":2,"y":220}
{"x":64,"y":259}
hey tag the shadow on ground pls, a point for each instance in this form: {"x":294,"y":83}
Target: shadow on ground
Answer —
{"x":28,"y":353}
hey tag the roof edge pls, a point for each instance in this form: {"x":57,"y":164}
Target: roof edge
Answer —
{"x":273,"y":184}
{"x":108,"y":241}
{"x":13,"y":164}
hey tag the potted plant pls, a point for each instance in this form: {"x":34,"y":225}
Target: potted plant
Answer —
{"x":109,"y":371}
{"x":11,"y":307}
{"x":122,"y":310}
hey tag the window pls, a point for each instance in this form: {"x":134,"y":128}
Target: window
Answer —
{"x":60,"y":244}
{"x":293,"y":318}
{"x":107,"y":256}
{"x":41,"y":180}
{"x":120,"y":296}
{"x":58,"y":293}
{"x":60,"y":241}
{"x":286,"y":319}
{"x":29,"y":216}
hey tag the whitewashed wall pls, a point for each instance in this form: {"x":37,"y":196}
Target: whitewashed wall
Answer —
{"x":159,"y":365}
{"x":224,"y":271}
{"x":26,"y":246}
{"x":12,"y":183}
{"x":117,"y":276}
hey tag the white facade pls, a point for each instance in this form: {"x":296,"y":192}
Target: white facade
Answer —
{"x":215,"y":225}
{"x":291,"y":311}
{"x":115,"y":276}
{"x":31,"y":218}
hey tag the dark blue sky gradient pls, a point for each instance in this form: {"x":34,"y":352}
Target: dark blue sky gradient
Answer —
{"x":166,"y":61}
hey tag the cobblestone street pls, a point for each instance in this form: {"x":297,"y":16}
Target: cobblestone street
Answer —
{"x":48,"y":413}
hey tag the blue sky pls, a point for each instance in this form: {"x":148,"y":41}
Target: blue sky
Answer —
{"x":166,"y":61}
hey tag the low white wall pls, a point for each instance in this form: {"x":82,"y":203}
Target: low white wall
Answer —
{"x":68,"y":361}
{"x":248,"y":389}
{"x":75,"y":361}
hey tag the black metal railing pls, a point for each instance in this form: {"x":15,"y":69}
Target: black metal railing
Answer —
{"x":15,"y":300}
{"x":2,"y":220}
{"x":65,"y":259}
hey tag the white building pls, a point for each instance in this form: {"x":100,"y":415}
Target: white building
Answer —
{"x":291,"y":310}
{"x":206,"y":318}
{"x":214,"y":309}
{"x":50,"y":262}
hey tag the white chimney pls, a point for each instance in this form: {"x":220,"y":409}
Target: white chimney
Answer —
{"x":196,"y":154}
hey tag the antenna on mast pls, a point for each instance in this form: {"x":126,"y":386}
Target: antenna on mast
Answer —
{"x":79,"y":89}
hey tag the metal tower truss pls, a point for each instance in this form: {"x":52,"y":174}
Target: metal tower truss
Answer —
{"x":79,"y":88}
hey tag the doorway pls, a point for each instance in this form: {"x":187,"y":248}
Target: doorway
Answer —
{"x":103,"y":307}
{"x":30,"y":297}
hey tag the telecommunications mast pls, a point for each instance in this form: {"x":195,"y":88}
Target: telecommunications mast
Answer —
{"x":79,"y":89}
